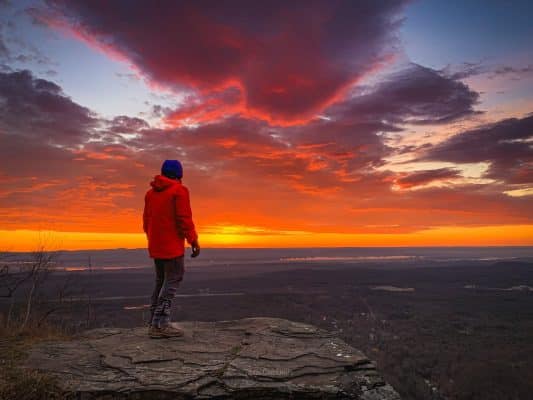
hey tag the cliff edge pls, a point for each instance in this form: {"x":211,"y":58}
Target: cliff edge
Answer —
{"x":253,"y":358}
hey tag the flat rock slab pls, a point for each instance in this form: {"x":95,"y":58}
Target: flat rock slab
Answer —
{"x":253,"y":358}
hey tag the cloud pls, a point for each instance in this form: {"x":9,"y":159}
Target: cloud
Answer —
{"x":415,"y":94}
{"x":4,"y":51}
{"x":421,"y":178}
{"x":208,"y":108}
{"x":288,"y":60}
{"x":506,"y":145}
{"x":464,"y":70}
{"x":516,"y":72}
{"x":241,"y":171}
{"x":337,"y":149}
{"x":283,"y":125}
{"x":37,"y":109}
{"x":467,"y":70}
{"x":59,"y":162}
{"x":127,"y":125}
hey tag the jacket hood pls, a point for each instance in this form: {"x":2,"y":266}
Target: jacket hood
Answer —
{"x":161,"y":183}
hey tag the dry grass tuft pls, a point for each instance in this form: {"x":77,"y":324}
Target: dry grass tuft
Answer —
{"x":17,"y":382}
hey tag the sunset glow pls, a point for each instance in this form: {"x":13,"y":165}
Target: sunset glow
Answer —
{"x":296,"y":126}
{"x":237,"y":237}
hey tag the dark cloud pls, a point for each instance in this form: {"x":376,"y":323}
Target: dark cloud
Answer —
{"x":420,"y":178}
{"x":467,"y":70}
{"x":37,"y":109}
{"x":464,"y":70}
{"x":415,"y":94}
{"x":508,"y":69}
{"x":288,"y":59}
{"x":513,"y":72}
{"x":127,"y":125}
{"x":4,"y":51}
{"x":506,"y":145}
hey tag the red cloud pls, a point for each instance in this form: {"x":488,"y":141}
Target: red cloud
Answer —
{"x":288,"y":60}
{"x":212,"y":107}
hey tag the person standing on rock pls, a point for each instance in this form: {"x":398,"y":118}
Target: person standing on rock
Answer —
{"x":167,"y":222}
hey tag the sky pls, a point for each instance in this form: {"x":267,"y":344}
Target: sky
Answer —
{"x":299,"y":124}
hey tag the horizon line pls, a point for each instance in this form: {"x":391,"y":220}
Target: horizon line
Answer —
{"x":297,"y":248}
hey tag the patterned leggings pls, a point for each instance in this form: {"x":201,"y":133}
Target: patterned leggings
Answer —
{"x":169,"y":274}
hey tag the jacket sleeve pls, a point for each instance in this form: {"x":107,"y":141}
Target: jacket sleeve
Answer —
{"x":184,"y":215}
{"x":145,"y":214}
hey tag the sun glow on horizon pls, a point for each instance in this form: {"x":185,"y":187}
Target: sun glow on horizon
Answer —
{"x":254,"y":237}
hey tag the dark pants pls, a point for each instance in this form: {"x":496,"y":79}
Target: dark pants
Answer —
{"x":168,"y":275}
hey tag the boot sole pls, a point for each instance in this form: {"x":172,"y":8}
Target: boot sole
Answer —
{"x":165,"y":335}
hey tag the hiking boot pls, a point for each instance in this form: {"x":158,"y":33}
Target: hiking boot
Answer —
{"x":154,"y":332}
{"x":165,"y":332}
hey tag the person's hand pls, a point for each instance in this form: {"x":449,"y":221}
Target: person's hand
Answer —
{"x":195,"y":246}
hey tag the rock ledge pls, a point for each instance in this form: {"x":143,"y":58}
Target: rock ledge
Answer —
{"x":253,"y":358}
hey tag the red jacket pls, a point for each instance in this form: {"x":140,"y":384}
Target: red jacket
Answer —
{"x":167,"y":218}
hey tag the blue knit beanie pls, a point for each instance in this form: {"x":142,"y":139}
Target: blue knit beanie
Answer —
{"x":172,"y":169}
